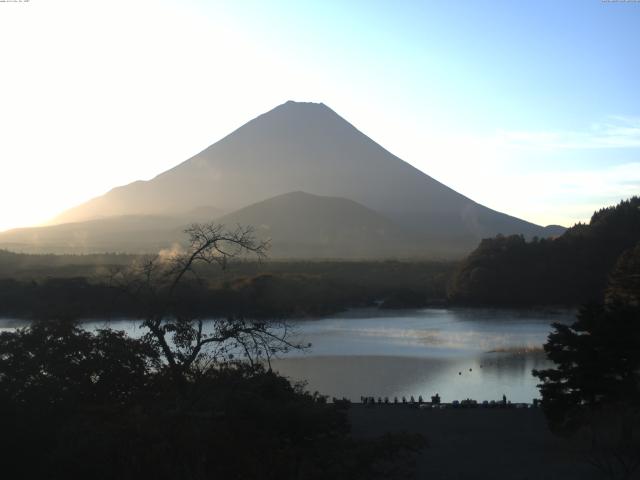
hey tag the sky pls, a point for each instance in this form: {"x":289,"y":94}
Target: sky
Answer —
{"x":530,"y":108}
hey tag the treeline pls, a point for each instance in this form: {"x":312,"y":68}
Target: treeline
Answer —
{"x":28,"y":266}
{"x":177,"y":402}
{"x":570,"y":270}
{"x":253,"y":289}
{"x":101,"y":405}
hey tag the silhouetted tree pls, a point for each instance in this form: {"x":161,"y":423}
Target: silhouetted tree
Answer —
{"x":597,"y":363}
{"x":77,"y":404}
{"x":63,"y":390}
{"x":595,"y":384}
{"x":56,"y":363}
{"x":164,"y":286}
{"x":174,"y":403}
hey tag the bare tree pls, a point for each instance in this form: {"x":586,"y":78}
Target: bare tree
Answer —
{"x":187,"y":343}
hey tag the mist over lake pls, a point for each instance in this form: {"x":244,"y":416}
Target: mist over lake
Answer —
{"x":458,"y":353}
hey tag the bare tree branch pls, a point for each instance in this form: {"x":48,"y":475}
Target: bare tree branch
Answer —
{"x":181,"y":336}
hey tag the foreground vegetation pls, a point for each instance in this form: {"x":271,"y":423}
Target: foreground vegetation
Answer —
{"x":75,"y":404}
{"x":182,"y":403}
{"x":176,"y":403}
{"x":592,"y":392}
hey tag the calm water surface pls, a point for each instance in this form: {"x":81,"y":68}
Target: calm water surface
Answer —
{"x":458,"y":353}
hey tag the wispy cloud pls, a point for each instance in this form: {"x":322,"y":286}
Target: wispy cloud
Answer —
{"x":554,"y":193}
{"x":616,"y":131}
{"x":617,"y":180}
{"x":542,"y":176}
{"x":562,"y":197}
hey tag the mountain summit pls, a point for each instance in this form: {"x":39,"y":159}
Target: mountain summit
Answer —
{"x":308,"y":147}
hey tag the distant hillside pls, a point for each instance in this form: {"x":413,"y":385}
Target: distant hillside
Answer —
{"x":298,"y":224}
{"x":571,"y":269}
{"x":136,"y":234}
{"x":308,"y":147}
{"x":301,"y":225}
{"x":127,"y":233}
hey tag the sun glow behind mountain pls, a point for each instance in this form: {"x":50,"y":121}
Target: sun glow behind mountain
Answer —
{"x":100,"y":94}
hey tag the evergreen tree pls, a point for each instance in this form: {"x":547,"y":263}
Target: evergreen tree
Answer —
{"x":597,"y":364}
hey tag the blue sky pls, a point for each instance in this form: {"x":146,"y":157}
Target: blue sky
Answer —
{"x":531,"y":108}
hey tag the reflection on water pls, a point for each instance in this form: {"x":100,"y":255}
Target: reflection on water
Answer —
{"x":485,"y":377}
{"x":458,"y":353}
{"x":429,"y":332}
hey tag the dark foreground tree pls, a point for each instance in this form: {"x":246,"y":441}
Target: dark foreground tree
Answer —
{"x":597,"y":363}
{"x":57,"y":364}
{"x":56,"y":378}
{"x":75,"y":404}
{"x":175,"y":403}
{"x":168,"y":289}
{"x":594,"y":389}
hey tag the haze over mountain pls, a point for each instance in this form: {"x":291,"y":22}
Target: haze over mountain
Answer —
{"x":301,"y":225}
{"x":307,"y":147}
{"x":123,"y":233}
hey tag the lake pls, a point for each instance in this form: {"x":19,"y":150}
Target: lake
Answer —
{"x":458,"y":353}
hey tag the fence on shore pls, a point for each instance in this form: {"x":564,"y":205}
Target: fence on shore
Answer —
{"x":435,"y":403}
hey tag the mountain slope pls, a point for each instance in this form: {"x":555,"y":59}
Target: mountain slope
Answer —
{"x":126,"y":233}
{"x":308,"y":147}
{"x":121,"y":233}
{"x":301,"y":225}
{"x":298,"y":224}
